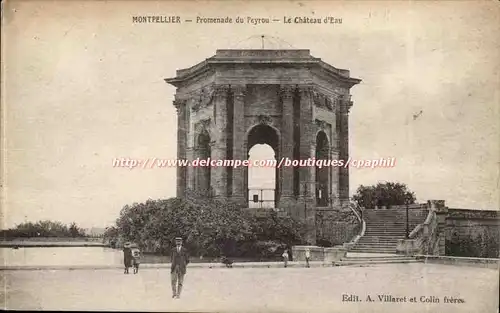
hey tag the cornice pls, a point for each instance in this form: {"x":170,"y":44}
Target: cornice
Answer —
{"x":299,"y":58}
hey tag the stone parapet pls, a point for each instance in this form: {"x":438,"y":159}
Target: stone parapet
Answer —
{"x":299,"y":253}
{"x":407,"y":247}
{"x":327,"y":255}
{"x":335,"y":254}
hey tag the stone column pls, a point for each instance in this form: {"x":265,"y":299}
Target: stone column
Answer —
{"x":345,"y":105}
{"x":307,"y":150}
{"x":190,"y":171}
{"x":334,"y":187}
{"x":286,"y":173}
{"x":238,"y":143}
{"x":219,"y":147}
{"x":182,"y":125}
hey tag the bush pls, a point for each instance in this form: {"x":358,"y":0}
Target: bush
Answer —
{"x":482,"y":245}
{"x":44,"y":228}
{"x":383,"y":194}
{"x":209,"y":227}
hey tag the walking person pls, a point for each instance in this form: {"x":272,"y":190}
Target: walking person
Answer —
{"x":285,"y":257}
{"x":127,"y":256}
{"x":308,"y":256}
{"x":180,"y":260}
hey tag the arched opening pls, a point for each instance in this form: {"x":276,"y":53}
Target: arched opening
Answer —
{"x":203,"y":173}
{"x":323,"y":173}
{"x":262,"y":182}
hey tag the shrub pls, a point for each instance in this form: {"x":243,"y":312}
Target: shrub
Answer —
{"x":209,"y":227}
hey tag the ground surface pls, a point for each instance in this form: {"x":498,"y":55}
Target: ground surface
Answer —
{"x":256,"y":290}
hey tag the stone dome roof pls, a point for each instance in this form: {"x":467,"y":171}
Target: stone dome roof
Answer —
{"x":262,"y":42}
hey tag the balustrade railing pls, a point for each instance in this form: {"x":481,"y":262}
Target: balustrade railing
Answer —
{"x":261,"y":198}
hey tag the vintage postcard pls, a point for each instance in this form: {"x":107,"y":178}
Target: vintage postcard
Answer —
{"x":250,"y":156}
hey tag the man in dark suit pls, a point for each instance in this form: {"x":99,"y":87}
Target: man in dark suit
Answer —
{"x":180,"y":260}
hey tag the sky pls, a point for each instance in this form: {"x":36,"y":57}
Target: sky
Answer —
{"x":82,"y":84}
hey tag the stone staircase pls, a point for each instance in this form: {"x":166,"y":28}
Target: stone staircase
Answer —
{"x":385,"y":226}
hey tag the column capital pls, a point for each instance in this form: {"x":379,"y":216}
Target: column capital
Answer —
{"x":179,"y":105}
{"x":221,"y":90}
{"x":239,"y":90}
{"x":345,"y":104}
{"x":287,"y":91}
{"x":305,"y":89}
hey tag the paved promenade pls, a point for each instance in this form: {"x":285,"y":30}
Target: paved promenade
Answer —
{"x":258,"y":289}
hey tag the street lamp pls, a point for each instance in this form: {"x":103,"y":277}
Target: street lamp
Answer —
{"x":407,"y":202}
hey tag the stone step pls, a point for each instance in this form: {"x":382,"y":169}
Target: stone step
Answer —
{"x":387,"y":229}
{"x":378,"y":238}
{"x":361,"y":244}
{"x":388,"y":226}
{"x":384,"y":223}
{"x":387,"y":232}
{"x":370,"y":237}
{"x":378,"y":258}
{"x":368,"y":263}
{"x":374,"y":250}
{"x":392,"y":241}
{"x":375,"y":246}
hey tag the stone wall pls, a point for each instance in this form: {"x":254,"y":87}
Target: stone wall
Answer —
{"x":336,"y":227}
{"x":473,"y":233}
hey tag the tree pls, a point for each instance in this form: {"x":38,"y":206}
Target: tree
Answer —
{"x":384,"y":194}
{"x":76,"y":231}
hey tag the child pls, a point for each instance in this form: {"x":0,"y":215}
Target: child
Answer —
{"x":136,"y":258}
{"x":285,"y":257}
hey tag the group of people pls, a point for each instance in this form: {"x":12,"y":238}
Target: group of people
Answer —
{"x":179,"y":260}
{"x":131,"y":257}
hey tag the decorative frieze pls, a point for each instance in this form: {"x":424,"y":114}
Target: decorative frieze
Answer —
{"x":203,"y":125}
{"x":321,"y":100}
{"x":264,"y":119}
{"x":203,"y":98}
{"x":322,"y":125}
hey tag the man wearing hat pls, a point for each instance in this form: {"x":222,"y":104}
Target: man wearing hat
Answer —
{"x":180,"y":260}
{"x":127,"y":256}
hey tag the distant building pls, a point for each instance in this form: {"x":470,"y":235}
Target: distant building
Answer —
{"x":95,"y":231}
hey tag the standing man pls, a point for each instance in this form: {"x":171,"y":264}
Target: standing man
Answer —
{"x":285,"y":257}
{"x":180,"y":260}
{"x":308,"y":256}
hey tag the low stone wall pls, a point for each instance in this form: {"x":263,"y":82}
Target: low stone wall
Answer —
{"x":299,"y":253}
{"x":473,"y":233}
{"x":51,"y":239}
{"x":327,"y":255}
{"x":461,"y":261}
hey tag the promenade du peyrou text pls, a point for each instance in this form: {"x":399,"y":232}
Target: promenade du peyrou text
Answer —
{"x":176,"y":19}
